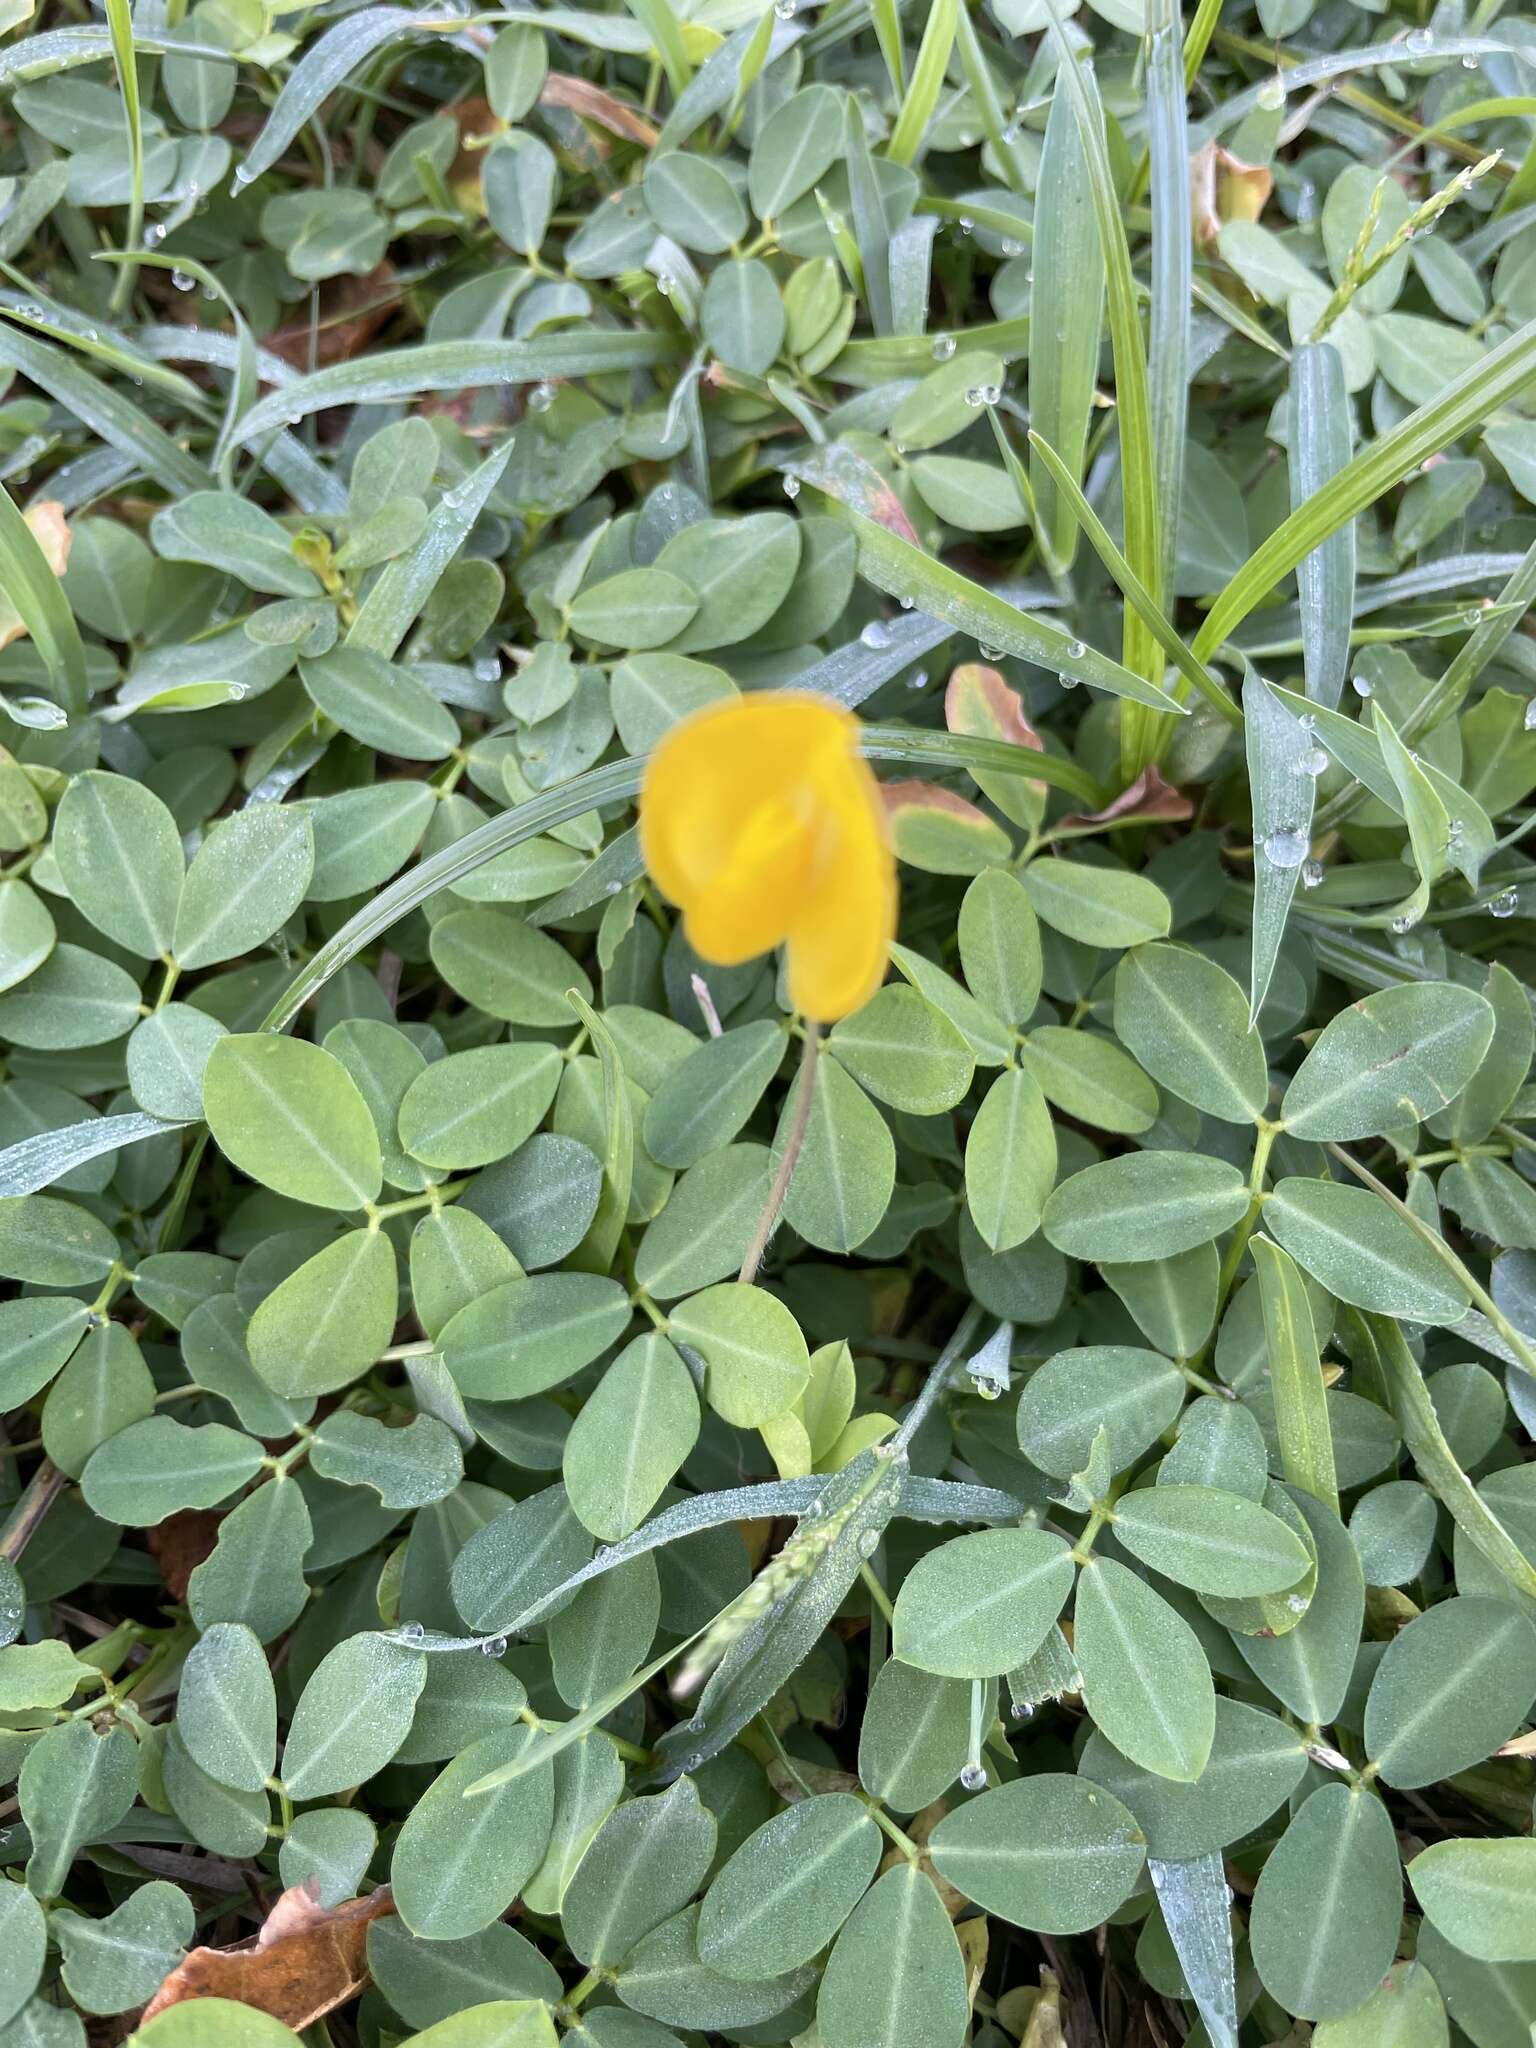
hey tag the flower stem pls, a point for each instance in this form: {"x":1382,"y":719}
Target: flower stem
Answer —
{"x":767,"y":1223}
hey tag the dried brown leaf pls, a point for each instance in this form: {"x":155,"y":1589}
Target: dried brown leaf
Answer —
{"x":307,"y":1960}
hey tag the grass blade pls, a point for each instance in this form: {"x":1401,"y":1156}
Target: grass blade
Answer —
{"x":450,"y":366}
{"x":1295,"y":1375}
{"x":1320,"y":421}
{"x":32,"y":588}
{"x":1135,"y":591}
{"x":397,"y":599}
{"x":1139,"y":734}
{"x":903,"y":570}
{"x":1284,"y":793}
{"x":1064,"y":346}
{"x":106,"y":411}
{"x":1502,"y":374}
{"x":120,"y":23}
{"x":922,"y":95}
{"x":870,"y":230}
{"x":1172,"y":272}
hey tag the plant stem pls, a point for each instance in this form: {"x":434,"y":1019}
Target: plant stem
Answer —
{"x":767,"y":1223}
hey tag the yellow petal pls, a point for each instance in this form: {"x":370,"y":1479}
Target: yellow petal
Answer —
{"x":840,"y":937}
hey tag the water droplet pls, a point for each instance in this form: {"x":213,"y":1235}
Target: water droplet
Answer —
{"x":905,"y":603}
{"x":983,"y":394}
{"x":1076,"y":649}
{"x":1313,"y":874}
{"x":210,"y":293}
{"x":964,"y":225}
{"x":1504,"y":905}
{"x":1360,"y":686}
{"x":1308,"y":721}
{"x":494,"y":1646}
{"x":1455,"y":833}
{"x":1012,"y":248}
{"x":1406,"y":922}
{"x":181,"y":281}
{"x":542,"y":396}
{"x":1009,"y":137}
{"x":154,"y":235}
{"x":1529,"y":720}
{"x":943,"y":347}
{"x":487,"y":669}
{"x":817,"y":1507}
{"x":869,"y":1543}
{"x":989,"y":653}
{"x":1023,"y":1711}
{"x":1066,"y":681}
{"x":1286,"y":848}
{"x":1420,"y":41}
{"x":413,"y":1631}
{"x":1316,"y":762}
{"x":836,"y":225}
{"x":791,"y":487}
{"x":784,"y":10}
{"x":973,"y":1777}
{"x":1470,"y":63}
{"x":876,"y":634}
{"x":1272,"y":94}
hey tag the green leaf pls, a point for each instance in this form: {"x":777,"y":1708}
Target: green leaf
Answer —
{"x":1097,"y":906}
{"x":905,"y":1051}
{"x":506,"y":968}
{"x":458,"y":1863}
{"x":1340,"y":1849}
{"x":226,"y":1708}
{"x":1210,"y":1540}
{"x":756,"y":1359}
{"x":1049,"y":1852}
{"x":633,"y":1432}
{"x":120,"y":854}
{"x":706,"y":1098}
{"x":1479,"y":1895}
{"x":1146,"y":1682}
{"x":381,"y":704}
{"x":473,"y":1107}
{"x":1132,"y":1395}
{"x":1449,"y":1691}
{"x":246,"y":879}
{"x":1145,"y":1205}
{"x":646,"y":1861}
{"x":530,"y":1334}
{"x":1010,"y":1161}
{"x":1308,"y":1669}
{"x":896,"y":1977}
{"x":75,"y":1785}
{"x":231,"y":534}
{"x":785,"y":1892}
{"x":1391,"y":1060}
{"x":1255,"y":1764}
{"x":157,"y":1467}
{"x":981,"y":1604}
{"x":352,"y":1716}
{"x":1404,"y":2011}
{"x":1362,"y":1251}
{"x":1186,"y":1020}
{"x":291,"y":1116}
{"x":328,"y":1321}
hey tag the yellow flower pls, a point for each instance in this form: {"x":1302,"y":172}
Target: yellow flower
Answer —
{"x":761,"y":820}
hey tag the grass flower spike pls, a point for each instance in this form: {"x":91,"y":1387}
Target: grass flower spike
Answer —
{"x":760,"y":819}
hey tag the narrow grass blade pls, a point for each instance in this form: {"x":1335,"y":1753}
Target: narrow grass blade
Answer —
{"x":1139,"y":735}
{"x":1284,"y":792}
{"x":120,"y":23}
{"x":897,"y":567}
{"x":666,"y":33}
{"x":1135,"y":592}
{"x":106,"y":411}
{"x":1319,"y":448}
{"x":1502,"y":375}
{"x":1065,"y":332}
{"x":922,"y":95}
{"x":1295,"y":1374}
{"x":887,"y":22}
{"x":1172,"y":270}
{"x":1000,"y":130}
{"x":396,"y":600}
{"x":450,"y":366}
{"x":869,"y":224}
{"x":1197,"y":1913}
{"x":38,"y":597}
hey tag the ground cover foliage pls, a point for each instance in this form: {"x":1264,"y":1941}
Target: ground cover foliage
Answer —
{"x":1082,"y":1588}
